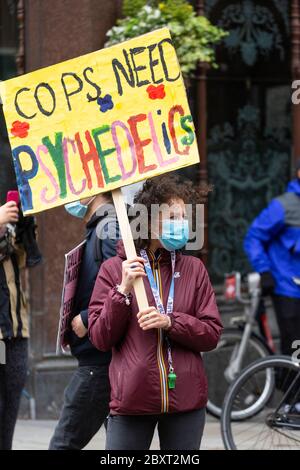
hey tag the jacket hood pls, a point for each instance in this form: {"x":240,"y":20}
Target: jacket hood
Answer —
{"x":109,"y":212}
{"x":294,"y":187}
{"x":93,"y":221}
{"x":161,"y":254}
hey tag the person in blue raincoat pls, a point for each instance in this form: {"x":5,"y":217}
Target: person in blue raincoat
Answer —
{"x":272,"y":245}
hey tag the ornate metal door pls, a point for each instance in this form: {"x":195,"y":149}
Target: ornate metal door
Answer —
{"x":249,"y":142}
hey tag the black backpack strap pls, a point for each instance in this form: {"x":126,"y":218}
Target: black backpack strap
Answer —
{"x":97,"y":248}
{"x":101,"y":227}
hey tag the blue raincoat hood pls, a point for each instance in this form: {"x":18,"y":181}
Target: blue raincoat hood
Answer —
{"x":294,"y":187}
{"x":272,"y":242}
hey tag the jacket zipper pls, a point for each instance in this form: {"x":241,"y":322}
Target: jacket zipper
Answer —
{"x":160,"y":354}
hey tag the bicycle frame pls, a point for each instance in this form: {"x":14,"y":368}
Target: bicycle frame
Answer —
{"x":251,"y":306}
{"x":284,"y":400}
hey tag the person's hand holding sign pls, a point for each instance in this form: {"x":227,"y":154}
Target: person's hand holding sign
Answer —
{"x":131,"y":270}
{"x":150,"y":318}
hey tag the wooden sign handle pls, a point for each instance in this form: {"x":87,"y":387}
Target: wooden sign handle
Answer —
{"x":129,"y":246}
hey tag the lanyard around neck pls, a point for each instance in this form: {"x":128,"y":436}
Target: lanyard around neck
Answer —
{"x":154,"y":287}
{"x":160,"y":306}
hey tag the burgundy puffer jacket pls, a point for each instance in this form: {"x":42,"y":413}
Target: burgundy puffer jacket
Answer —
{"x":139,"y":368}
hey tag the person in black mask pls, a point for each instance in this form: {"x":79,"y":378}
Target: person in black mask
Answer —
{"x":87,"y":395}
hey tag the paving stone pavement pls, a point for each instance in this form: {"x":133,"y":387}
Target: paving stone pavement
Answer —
{"x":35,"y":435}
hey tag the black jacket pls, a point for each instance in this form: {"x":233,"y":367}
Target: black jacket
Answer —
{"x":96,"y":251}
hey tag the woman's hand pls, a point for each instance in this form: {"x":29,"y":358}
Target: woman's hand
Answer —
{"x":131,"y":270}
{"x":9,"y":213}
{"x":150,"y":318}
{"x":78,"y":327}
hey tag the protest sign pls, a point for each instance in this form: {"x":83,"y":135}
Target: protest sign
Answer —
{"x":98,"y":122}
{"x":73,"y":261}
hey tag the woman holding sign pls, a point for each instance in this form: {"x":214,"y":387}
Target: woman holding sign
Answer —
{"x":157,"y":374}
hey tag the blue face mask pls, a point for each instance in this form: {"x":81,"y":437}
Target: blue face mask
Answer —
{"x":175,"y":234}
{"x":77,"y":209}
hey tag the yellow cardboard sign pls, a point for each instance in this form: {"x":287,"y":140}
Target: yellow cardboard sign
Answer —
{"x":98,"y":122}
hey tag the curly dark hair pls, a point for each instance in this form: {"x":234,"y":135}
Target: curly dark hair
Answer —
{"x":164,"y":189}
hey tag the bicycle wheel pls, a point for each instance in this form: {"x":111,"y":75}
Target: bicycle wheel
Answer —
{"x":275,"y":419}
{"x":217,"y":361}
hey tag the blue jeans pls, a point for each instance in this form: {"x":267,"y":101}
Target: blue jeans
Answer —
{"x":177,"y":431}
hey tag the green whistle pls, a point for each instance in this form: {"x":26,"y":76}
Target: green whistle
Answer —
{"x":172,"y":379}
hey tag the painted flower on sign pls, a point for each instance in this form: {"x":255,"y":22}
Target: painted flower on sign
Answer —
{"x":105,"y":103}
{"x":156,"y":92}
{"x":20,"y":129}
